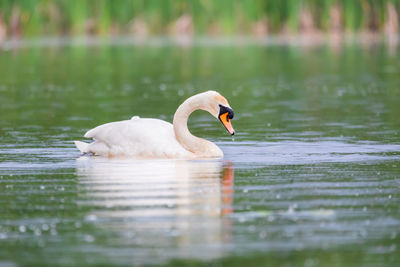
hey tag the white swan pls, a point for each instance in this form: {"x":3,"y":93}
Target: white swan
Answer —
{"x":154,"y":138}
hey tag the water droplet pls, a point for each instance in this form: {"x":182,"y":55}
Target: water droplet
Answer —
{"x":251,"y":228}
{"x":37,"y":231}
{"x":174,"y":232}
{"x":88,"y":238}
{"x":393,"y":235}
{"x":290,"y":210}
{"x":309,"y":263}
{"x":41,"y":243}
{"x":146,"y":80}
{"x":262,"y":235}
{"x":91,"y":217}
{"x":3,"y":236}
{"x":363,"y":233}
{"x":22,"y":228}
{"x":130,"y":234}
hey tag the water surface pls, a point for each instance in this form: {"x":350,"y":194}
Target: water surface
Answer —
{"x":311,"y":178}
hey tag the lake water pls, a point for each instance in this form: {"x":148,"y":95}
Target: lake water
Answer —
{"x":311,"y":178}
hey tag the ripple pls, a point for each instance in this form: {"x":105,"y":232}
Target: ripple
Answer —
{"x":299,"y":153}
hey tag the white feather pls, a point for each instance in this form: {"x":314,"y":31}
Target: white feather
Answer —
{"x":137,"y":137}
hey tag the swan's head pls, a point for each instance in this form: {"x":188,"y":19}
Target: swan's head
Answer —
{"x":219,"y":107}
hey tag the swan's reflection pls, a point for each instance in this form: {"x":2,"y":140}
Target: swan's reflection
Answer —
{"x":177,"y":206}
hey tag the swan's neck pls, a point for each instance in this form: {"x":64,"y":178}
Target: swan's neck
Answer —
{"x":196,"y":145}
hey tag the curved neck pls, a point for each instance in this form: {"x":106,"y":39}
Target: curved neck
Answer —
{"x":185,"y":138}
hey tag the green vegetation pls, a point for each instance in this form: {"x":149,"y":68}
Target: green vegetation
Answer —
{"x":203,"y":17}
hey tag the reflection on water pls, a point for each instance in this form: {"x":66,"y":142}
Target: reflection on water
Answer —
{"x":175,"y":205}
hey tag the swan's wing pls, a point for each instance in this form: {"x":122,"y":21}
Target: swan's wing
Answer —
{"x":125,"y":132}
{"x":110,"y":132}
{"x":139,"y":137}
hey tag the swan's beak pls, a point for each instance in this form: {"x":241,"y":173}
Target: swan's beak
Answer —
{"x":225,"y":116}
{"x":227,"y":122}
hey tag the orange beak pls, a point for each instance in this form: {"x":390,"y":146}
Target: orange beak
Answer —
{"x":227,"y":123}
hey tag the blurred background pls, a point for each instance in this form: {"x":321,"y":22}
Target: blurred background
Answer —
{"x":30,"y":18}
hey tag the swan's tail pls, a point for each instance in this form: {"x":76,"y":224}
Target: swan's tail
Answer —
{"x":82,"y":146}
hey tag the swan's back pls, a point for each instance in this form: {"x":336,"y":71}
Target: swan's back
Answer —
{"x":137,"y":137}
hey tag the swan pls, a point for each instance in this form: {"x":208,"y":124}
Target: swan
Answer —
{"x":154,"y":138}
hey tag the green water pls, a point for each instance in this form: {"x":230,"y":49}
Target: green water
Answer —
{"x":311,"y":177}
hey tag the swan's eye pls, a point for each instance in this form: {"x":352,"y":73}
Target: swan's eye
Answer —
{"x":230,"y":114}
{"x":223,"y":109}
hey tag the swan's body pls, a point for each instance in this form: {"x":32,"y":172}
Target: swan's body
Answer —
{"x":135,"y":137}
{"x":154,"y":138}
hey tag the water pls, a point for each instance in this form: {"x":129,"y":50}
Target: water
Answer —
{"x":311,"y":178}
